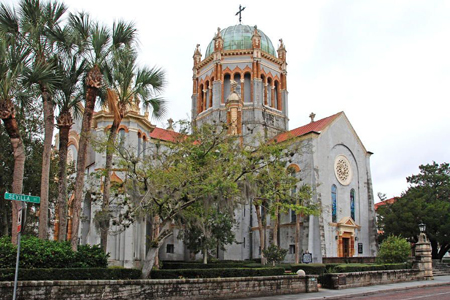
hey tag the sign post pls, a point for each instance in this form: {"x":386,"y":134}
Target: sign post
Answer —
{"x":20,"y":224}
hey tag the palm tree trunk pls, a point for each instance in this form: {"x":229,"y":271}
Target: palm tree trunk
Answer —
{"x":46,"y":155}
{"x":62,"y":183}
{"x":104,"y":223}
{"x":13,"y":131}
{"x":93,"y":82}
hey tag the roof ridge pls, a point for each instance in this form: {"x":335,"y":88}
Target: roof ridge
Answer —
{"x":316,"y":126}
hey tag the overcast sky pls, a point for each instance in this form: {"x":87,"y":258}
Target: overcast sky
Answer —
{"x":386,"y":64}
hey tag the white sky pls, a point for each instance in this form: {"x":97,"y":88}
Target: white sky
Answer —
{"x":385,"y":63}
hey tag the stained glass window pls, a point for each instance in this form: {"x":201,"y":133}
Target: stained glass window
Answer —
{"x":333,"y":204}
{"x":139,"y":146}
{"x":352,"y":204}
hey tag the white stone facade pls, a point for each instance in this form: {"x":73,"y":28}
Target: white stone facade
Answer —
{"x":333,"y":161}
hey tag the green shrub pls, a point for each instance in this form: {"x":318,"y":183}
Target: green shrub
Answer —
{"x":274,"y":254}
{"x":346,"y":268}
{"x":330,"y":267}
{"x":214,"y":273}
{"x":397,"y":266}
{"x":394,"y":249}
{"x":71,"y":274}
{"x":89,"y":256}
{"x":37,"y":253}
{"x":310,"y":269}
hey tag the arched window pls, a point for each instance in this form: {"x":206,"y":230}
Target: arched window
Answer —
{"x":207,"y":95}
{"x":247,"y":87}
{"x":201,"y":100}
{"x":352,"y":204}
{"x":144,"y":151}
{"x":293,"y":170}
{"x":121,"y":139}
{"x":275,"y":95}
{"x":226,"y":87}
{"x":264,"y":89}
{"x":237,"y":78}
{"x":139,"y":145}
{"x":333,"y":204}
{"x":211,"y":92}
{"x":269,"y":92}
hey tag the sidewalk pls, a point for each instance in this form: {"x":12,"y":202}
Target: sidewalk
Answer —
{"x":361,"y":291}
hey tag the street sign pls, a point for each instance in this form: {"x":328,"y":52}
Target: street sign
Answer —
{"x":24,"y":198}
{"x":19,"y":220}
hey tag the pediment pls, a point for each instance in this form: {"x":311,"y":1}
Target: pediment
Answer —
{"x":347,"y":222}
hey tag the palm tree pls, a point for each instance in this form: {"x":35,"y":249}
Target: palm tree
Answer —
{"x":99,"y":44}
{"x":14,"y":58}
{"x":71,"y":67}
{"x":32,"y":24}
{"x":127,"y":86}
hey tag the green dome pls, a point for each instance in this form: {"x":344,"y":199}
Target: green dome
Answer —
{"x":240,"y":37}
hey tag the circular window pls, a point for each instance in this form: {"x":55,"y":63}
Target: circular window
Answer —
{"x":343,"y":170}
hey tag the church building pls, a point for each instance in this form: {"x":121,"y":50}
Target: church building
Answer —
{"x":241,"y":80}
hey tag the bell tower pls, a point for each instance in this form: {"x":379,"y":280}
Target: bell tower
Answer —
{"x":241,"y":62}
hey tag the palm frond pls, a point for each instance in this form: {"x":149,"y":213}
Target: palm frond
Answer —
{"x":159,"y":107}
{"x":53,"y":11}
{"x":9,"y":22}
{"x":42,"y":74}
{"x":100,"y":38}
{"x":123,"y":34}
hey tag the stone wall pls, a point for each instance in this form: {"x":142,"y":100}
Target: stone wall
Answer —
{"x":173,"y":289}
{"x":358,"y":279}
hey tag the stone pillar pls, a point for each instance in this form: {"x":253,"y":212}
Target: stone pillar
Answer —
{"x":217,"y":93}
{"x":423,"y":260}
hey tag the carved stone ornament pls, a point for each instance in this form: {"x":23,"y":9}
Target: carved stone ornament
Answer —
{"x":343,"y":170}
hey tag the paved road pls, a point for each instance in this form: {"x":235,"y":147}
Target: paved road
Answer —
{"x":426,"y":293}
{"x":437,"y":289}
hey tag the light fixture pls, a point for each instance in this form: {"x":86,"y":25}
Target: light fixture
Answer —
{"x":422,"y":227}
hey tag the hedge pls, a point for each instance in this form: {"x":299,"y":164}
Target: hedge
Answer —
{"x":368,"y":267}
{"x":198,"y":265}
{"x":310,"y":269}
{"x":320,"y":269}
{"x":213,"y":273}
{"x":70,"y":274}
{"x":37,"y":253}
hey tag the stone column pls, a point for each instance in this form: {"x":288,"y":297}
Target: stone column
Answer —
{"x":423,"y":260}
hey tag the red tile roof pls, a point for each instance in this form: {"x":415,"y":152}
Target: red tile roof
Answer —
{"x":316,"y":126}
{"x":387,"y":201}
{"x":164,"y":135}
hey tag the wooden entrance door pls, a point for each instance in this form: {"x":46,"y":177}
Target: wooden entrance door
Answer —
{"x":346,"y":247}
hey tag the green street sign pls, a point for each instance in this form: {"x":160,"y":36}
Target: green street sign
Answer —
{"x":25,"y":198}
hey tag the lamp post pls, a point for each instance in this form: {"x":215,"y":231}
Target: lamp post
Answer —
{"x":423,"y":254}
{"x":422,"y":227}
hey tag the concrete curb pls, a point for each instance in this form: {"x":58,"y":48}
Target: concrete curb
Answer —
{"x":367,"y":293}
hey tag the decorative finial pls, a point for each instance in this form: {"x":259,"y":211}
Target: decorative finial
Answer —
{"x":241,"y":9}
{"x":312,"y":116}
{"x":233,"y":85}
{"x":170,"y":121}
